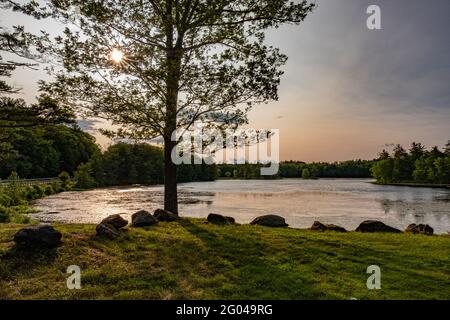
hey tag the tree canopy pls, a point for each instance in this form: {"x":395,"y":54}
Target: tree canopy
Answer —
{"x":43,"y":152}
{"x":418,"y":165}
{"x":141,"y":163}
{"x":154,"y":67}
{"x":15,"y":113}
{"x":11,"y":43}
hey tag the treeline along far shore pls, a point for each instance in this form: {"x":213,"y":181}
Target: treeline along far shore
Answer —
{"x":66,"y":151}
{"x":46,"y":151}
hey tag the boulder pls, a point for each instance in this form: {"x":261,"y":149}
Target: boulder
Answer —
{"x":376,"y":226}
{"x":116,"y":221}
{"x":420,"y":229}
{"x":270,"y":220}
{"x":317,"y":226}
{"x":333,"y":227}
{"x":219,"y":219}
{"x":143,"y":219}
{"x":107,"y":230}
{"x":165,"y":216}
{"x":38,"y":236}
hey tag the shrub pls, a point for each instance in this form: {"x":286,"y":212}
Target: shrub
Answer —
{"x":14,"y":190}
{"x":49,"y":190}
{"x":84,"y":177}
{"x":40,"y":190}
{"x":306,"y":174}
{"x":31,"y":193}
{"x":64,"y":178}
{"x":4,"y":216}
{"x":5,"y":200}
{"x":57,"y":187}
{"x":20,"y":219}
{"x":14,"y":215}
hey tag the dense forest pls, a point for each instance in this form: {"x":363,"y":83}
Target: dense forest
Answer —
{"x":41,"y":140}
{"x":126,"y":164}
{"x":417,"y":165}
{"x":42,"y":152}
{"x":297,"y":169}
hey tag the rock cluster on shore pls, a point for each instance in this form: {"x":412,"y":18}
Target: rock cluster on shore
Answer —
{"x":368,"y":226}
{"x":110,"y":226}
{"x":46,"y":236}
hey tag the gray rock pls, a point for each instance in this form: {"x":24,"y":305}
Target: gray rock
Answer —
{"x":333,"y":227}
{"x":143,"y":219}
{"x":271,"y":220}
{"x":420,"y":229}
{"x":317,"y":226}
{"x":106,"y":230}
{"x":375,"y":226}
{"x":38,"y":236}
{"x":116,"y":221}
{"x":165,"y":216}
{"x":219,"y":219}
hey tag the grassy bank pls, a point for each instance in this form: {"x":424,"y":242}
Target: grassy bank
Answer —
{"x":15,"y":196}
{"x":193,"y":259}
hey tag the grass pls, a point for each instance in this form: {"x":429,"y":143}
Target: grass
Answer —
{"x":193,"y":259}
{"x":15,"y":197}
{"x":16,"y":214}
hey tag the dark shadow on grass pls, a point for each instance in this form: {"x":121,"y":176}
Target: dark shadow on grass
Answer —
{"x":199,"y":232}
{"x":250,"y":269}
{"x":20,"y":260}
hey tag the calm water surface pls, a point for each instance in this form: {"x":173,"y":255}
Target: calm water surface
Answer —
{"x":346,"y":202}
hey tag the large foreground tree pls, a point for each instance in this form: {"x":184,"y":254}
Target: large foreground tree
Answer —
{"x":14,"y":45}
{"x":15,"y":113}
{"x":10,"y":43}
{"x":156,"y":66}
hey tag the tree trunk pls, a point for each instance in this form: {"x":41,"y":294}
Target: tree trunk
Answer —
{"x":170,"y":178}
{"x":174,"y":58}
{"x":170,"y":169}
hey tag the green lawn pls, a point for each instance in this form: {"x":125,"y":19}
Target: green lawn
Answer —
{"x":193,"y":259}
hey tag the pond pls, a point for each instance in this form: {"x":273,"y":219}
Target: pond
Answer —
{"x":346,"y":202}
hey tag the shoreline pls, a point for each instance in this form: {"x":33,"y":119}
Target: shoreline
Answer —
{"x":297,"y":218}
{"x":403,"y":229}
{"x":414,"y":185}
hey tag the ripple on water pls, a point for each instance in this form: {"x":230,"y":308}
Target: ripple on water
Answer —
{"x":340,"y":201}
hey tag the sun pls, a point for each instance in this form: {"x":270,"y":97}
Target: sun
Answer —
{"x":117,"y":56}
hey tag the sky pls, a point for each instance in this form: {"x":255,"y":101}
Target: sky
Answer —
{"x":347,"y":92}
